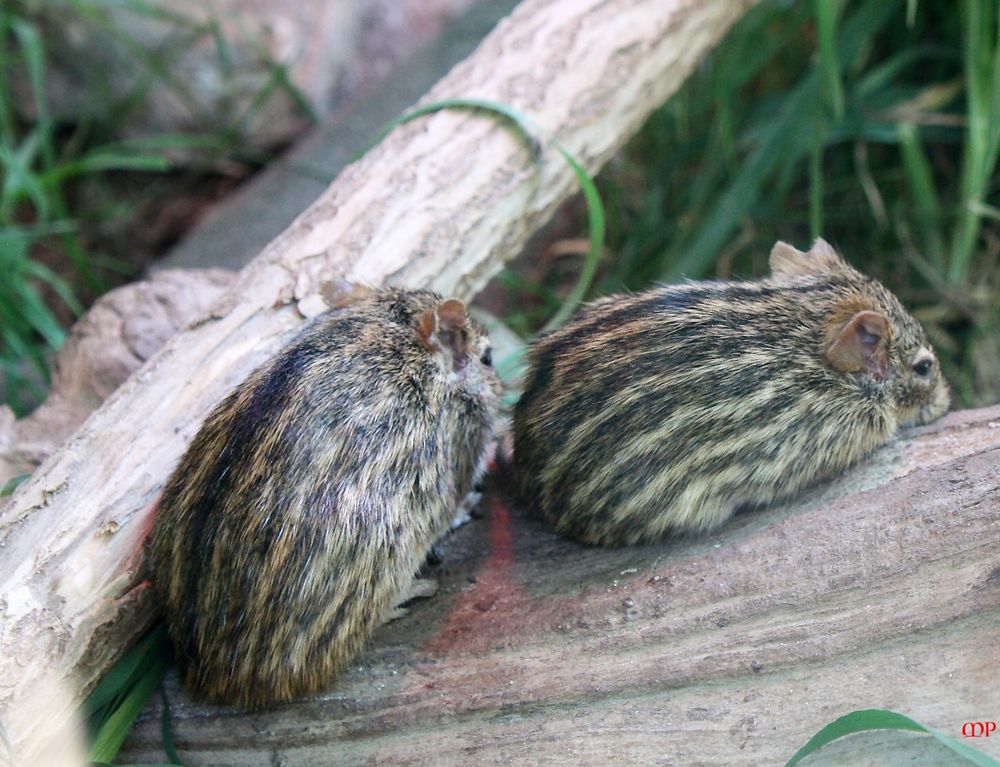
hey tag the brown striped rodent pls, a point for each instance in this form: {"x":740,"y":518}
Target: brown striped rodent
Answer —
{"x":313,"y":493}
{"x":663,"y":412}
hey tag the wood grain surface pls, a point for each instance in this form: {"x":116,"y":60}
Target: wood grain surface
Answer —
{"x":880,"y":589}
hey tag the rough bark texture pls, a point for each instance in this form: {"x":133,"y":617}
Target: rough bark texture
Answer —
{"x":122,"y":330}
{"x":440,"y":203}
{"x":881,"y":589}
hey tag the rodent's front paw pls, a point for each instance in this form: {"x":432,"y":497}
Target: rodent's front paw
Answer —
{"x":419,"y":588}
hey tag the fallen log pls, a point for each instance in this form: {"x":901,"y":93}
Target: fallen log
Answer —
{"x":880,"y":589}
{"x":439,"y":203}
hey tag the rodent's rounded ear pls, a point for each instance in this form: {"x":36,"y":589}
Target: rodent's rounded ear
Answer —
{"x":443,"y":328}
{"x":788,"y":261}
{"x":861,"y":344}
{"x":785,"y":260}
{"x":822,"y":253}
{"x":340,"y":292}
{"x":451,"y":314}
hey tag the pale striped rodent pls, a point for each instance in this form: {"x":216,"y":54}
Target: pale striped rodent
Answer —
{"x":664,"y":411}
{"x":312,"y":494}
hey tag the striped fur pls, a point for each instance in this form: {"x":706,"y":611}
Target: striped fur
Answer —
{"x":664,"y":411}
{"x":313,"y":493}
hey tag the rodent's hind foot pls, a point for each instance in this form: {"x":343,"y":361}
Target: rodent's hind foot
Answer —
{"x":419,"y":588}
{"x":466,"y":509}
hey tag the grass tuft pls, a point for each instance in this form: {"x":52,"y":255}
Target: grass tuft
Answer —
{"x":112,"y":708}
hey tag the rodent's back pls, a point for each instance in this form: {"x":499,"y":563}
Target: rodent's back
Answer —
{"x":310,"y":497}
{"x":664,"y":411}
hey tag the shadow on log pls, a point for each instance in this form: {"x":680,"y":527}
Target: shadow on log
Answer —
{"x":881,"y":589}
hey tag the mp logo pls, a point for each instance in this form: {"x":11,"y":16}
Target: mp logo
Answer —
{"x":978,"y":729}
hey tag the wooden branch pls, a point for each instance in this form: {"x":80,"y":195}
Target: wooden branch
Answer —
{"x":441,"y":203}
{"x":881,"y":589}
{"x":122,"y":330}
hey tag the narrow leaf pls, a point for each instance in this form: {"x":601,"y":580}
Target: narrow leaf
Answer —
{"x":881,"y":719}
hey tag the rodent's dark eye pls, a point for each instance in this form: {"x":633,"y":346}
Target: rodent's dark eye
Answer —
{"x":487,"y":357}
{"x":923,"y":368}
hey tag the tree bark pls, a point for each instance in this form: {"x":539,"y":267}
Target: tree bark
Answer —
{"x":440,"y":203}
{"x":122,"y":330}
{"x":878,"y":590}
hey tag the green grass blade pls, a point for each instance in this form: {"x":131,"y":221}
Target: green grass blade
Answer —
{"x":530,"y":132}
{"x":526,"y":128}
{"x":20,"y":180}
{"x":19,"y":349}
{"x":826,"y":31}
{"x":34,"y":58}
{"x":156,"y":11}
{"x":57,"y":283}
{"x":165,"y":732}
{"x":881,"y":719}
{"x":100,"y":161}
{"x":782,"y":143}
{"x":112,"y":707}
{"x":157,"y":65}
{"x":222,"y":49}
{"x":596,"y":228}
{"x":162,"y":142}
{"x":924,"y":193}
{"x":816,"y":177}
{"x":126,"y":671}
{"x":7,"y":119}
{"x":33,"y":51}
{"x":11,"y":484}
{"x":856,"y":721}
{"x":882,"y":75}
{"x":115,"y":729}
{"x":41,"y":319}
{"x":982,"y":76}
{"x":280,"y":79}
{"x":987,"y":211}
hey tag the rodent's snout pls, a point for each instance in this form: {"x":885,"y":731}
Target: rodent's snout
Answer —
{"x":934,"y":404}
{"x":940,"y":403}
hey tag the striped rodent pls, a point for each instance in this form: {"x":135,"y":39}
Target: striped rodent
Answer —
{"x":312,"y":494}
{"x":665,"y":411}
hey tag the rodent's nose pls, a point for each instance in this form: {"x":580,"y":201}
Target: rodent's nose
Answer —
{"x":942,"y":398}
{"x":940,"y":403}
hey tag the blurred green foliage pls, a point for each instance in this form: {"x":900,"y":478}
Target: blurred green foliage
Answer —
{"x":874,"y":123}
{"x":72,"y":190}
